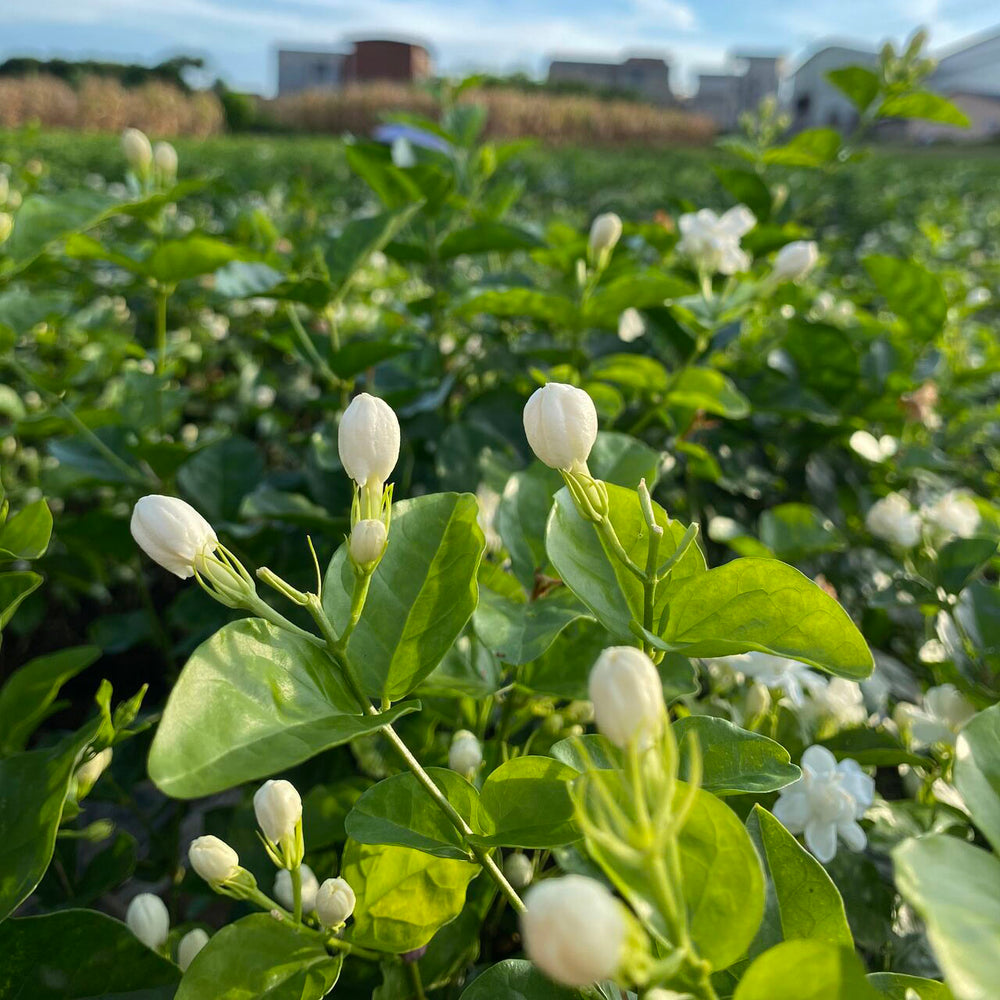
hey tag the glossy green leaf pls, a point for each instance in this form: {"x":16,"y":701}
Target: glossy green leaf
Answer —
{"x":487,"y":237}
{"x":403,"y":896}
{"x":33,"y":788}
{"x":633,"y":373}
{"x":748,"y":188}
{"x":859,"y":84}
{"x":765,"y":605}
{"x":527,"y":302}
{"x":261,"y":958}
{"x":794,"y":531}
{"x":621,"y":459}
{"x":399,"y":811}
{"x":805,"y":970}
{"x":925,"y":105}
{"x":43,"y":218}
{"x":710,"y":391}
{"x":251,"y":701}
{"x":961,"y":559}
{"x":173,"y":261}
{"x":217,"y":478}
{"x":597,"y":577}
{"x":421,"y":595}
{"x":14,"y":588}
{"x":896,"y":986}
{"x":734,"y":761}
{"x":26,"y":534}
{"x":912,"y":292}
{"x":517,"y":979}
{"x":518,"y":632}
{"x":360,"y":238}
{"x":521,"y":516}
{"x":808,"y":903}
{"x":723,"y":881}
{"x":528,"y":804}
{"x":27,"y":697}
{"x":80,"y":955}
{"x":872,"y":747}
{"x":977,"y":771}
{"x":563,"y":670}
{"x":815,"y":147}
{"x":587,"y":752}
{"x":955,"y":888}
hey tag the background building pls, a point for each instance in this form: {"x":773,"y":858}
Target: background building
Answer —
{"x":646,"y":76}
{"x":363,"y":60}
{"x":723,"y":97}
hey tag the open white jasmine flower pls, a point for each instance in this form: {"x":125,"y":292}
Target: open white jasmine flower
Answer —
{"x":772,"y":671}
{"x":945,"y":710}
{"x":631,"y":325}
{"x":893,"y":520}
{"x":840,"y":701}
{"x":283,"y":888}
{"x":954,"y":514}
{"x":873,"y":448}
{"x":712,"y":242}
{"x":826,"y":802}
{"x":574,"y":930}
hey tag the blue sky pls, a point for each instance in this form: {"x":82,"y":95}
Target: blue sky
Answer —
{"x":238,"y":37}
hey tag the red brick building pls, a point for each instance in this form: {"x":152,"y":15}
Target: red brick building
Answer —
{"x":378,"y":59}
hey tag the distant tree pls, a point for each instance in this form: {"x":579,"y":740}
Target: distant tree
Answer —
{"x":128,"y":74}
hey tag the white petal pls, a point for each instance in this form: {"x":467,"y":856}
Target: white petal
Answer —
{"x":818,"y":760}
{"x":821,"y":839}
{"x":792,"y":810}
{"x":853,"y":836}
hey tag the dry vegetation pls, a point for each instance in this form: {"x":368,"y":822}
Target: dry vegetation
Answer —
{"x":555,"y":119}
{"x":104,"y":105}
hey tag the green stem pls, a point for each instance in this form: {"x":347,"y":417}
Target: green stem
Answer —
{"x":335,"y":649}
{"x":413,"y":970}
{"x":296,"y":874}
{"x":162,"y":295}
{"x":352,"y":949}
{"x":608,"y":533}
{"x":310,"y":349}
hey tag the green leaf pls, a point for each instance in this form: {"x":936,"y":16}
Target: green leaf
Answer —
{"x":925,"y":105}
{"x":14,"y":588}
{"x":911,"y":291}
{"x":794,"y":531}
{"x":518,"y":632}
{"x":403,"y":896}
{"x":638,"y":290}
{"x":349,"y":253}
{"x":860,"y":85}
{"x":521,"y":516}
{"x":399,"y":811}
{"x":962,"y":559}
{"x":487,"y":237}
{"x":563,"y":670}
{"x":955,"y":887}
{"x":422,"y":593}
{"x":584,"y":753}
{"x":26,"y":699}
{"x":977,"y":771}
{"x":734,"y":760}
{"x":26,"y":534}
{"x":80,"y":955}
{"x":896,"y":986}
{"x":261,"y":958}
{"x":632,"y":372}
{"x":805,"y":970}
{"x":251,"y":701}
{"x":765,"y":605}
{"x":527,"y":302}
{"x":597,"y":577}
{"x":517,"y":979}
{"x":528,"y":804}
{"x":218,"y":477}
{"x":620,"y":459}
{"x":723,"y":883}
{"x":42,"y":219}
{"x":33,"y":788}
{"x":748,"y":189}
{"x":808,"y":903}
{"x":872,"y":747}
{"x":173,"y":261}
{"x":708,"y":390}
{"x":815,"y":147}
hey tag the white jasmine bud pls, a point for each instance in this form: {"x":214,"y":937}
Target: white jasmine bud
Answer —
{"x":628,"y":697}
{"x":213,"y":859}
{"x":630,"y":325}
{"x":189,"y":946}
{"x":278,"y":808}
{"x":6,"y":226}
{"x":368,"y":540}
{"x":518,"y":870}
{"x":368,"y":440}
{"x":893,"y":520}
{"x":90,"y":770}
{"x":334,"y":902}
{"x":465,"y":754}
{"x":795,"y":260}
{"x":147,"y":918}
{"x":165,"y":162}
{"x":560,"y":422}
{"x":283,"y":888}
{"x":173,"y":534}
{"x":574,"y":930}
{"x":137,"y":149}
{"x":758,"y":700}
{"x":605,"y":232}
